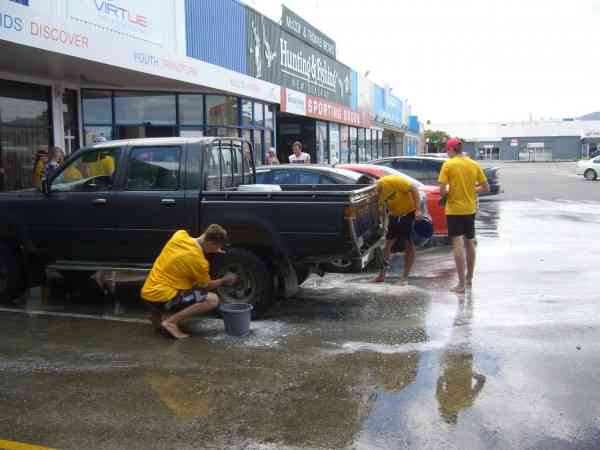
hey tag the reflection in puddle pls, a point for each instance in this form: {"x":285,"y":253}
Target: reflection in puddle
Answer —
{"x":458,"y":385}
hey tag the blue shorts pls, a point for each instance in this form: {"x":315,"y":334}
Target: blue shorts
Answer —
{"x":181,"y":301}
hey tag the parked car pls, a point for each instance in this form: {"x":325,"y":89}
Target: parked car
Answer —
{"x":589,"y":168}
{"x":119,"y":221}
{"x":436,"y":211}
{"x":321,"y":174}
{"x":427,"y":169}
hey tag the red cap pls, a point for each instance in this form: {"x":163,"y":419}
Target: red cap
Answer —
{"x":453,"y":144}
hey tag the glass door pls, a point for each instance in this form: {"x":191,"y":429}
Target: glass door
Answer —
{"x":71,"y":121}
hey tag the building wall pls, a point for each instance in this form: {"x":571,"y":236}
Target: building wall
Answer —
{"x":216,"y":32}
{"x":563,"y":147}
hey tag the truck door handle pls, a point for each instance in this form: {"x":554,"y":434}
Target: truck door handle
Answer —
{"x":168,"y":201}
{"x":99,"y":201}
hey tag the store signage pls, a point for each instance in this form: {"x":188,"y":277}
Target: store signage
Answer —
{"x":277,"y":56}
{"x":52,"y":26}
{"x":293,"y":102}
{"x":297,"y":26}
{"x":139,"y":19}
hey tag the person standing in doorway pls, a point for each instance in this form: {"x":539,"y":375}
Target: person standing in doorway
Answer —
{"x":403,"y":201}
{"x":56,"y":158}
{"x":298,"y":156}
{"x":272,"y":159}
{"x":460,"y":180}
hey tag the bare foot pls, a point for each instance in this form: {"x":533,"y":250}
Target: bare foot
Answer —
{"x":402,"y":282}
{"x":174,"y":330}
{"x":380,"y":278}
{"x":458,"y":289}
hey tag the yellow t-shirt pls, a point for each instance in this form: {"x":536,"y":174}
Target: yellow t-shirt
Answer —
{"x":72,"y":173}
{"x":180,"y":265}
{"x":462,"y":175}
{"x":397,"y":192}
{"x":38,"y":173}
{"x":105,"y":167}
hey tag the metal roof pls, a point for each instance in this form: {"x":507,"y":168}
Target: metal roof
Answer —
{"x":496,"y":131}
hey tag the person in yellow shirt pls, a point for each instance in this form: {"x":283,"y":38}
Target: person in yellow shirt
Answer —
{"x":179,"y":280}
{"x":39,"y":166}
{"x":460,"y":180}
{"x":403,"y":203}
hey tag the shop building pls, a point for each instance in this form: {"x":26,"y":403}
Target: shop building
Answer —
{"x":73,"y":72}
{"x":552,"y":140}
{"x":77,"y":71}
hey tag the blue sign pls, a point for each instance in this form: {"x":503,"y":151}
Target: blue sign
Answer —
{"x":21,"y":2}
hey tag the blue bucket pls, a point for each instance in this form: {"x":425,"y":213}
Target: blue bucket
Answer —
{"x":237,"y":318}
{"x":422,"y":231}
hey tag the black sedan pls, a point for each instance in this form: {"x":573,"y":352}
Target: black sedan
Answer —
{"x":426,"y":169}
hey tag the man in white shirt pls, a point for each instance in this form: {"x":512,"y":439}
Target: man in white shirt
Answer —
{"x":299,"y":157}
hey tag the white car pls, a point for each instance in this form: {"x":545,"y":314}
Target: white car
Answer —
{"x":589,"y":168}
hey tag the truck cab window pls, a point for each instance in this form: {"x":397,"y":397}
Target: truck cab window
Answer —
{"x":91,"y":171}
{"x":154,"y":168}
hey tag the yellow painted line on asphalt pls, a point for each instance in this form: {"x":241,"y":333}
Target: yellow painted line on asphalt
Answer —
{"x":11,"y":445}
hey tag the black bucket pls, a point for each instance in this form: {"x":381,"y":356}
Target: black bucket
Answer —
{"x":237,"y":318}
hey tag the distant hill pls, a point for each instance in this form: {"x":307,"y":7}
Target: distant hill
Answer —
{"x":591,"y":116}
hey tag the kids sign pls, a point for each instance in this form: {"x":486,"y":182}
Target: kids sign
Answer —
{"x":138,"y":19}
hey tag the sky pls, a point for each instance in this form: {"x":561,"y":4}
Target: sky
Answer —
{"x":468,"y":60}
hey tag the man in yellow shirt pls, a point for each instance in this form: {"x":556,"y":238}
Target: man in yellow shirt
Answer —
{"x":179,"y":280}
{"x":403,"y":201}
{"x":460,"y":180}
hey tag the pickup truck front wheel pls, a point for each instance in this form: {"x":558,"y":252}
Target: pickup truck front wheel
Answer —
{"x":11,"y":274}
{"x":255,"y":286}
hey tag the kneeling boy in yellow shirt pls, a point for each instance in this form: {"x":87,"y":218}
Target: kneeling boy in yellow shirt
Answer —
{"x":179,"y":280}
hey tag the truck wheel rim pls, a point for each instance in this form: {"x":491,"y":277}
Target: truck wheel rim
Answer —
{"x":242,"y":292}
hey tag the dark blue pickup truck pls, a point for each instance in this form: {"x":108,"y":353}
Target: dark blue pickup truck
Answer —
{"x":113,"y":206}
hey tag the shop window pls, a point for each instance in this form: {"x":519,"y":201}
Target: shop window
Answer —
{"x":144,"y":108}
{"x":247,"y":113}
{"x":223,"y":132}
{"x":334,"y":143}
{"x":153,"y":168}
{"x":344,"y":144}
{"x":322,"y":145}
{"x":222,"y":110}
{"x":93,"y":135}
{"x":362,"y":146}
{"x":269,"y":115}
{"x":191,"y":109}
{"x":25,"y":127}
{"x":97,"y":107}
{"x":259,"y":115}
{"x":91,"y":171}
{"x":353,"y":145}
{"x":268,"y":136}
{"x":257,"y":146}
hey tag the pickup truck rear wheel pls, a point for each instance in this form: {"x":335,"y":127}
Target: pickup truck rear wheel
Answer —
{"x":11,"y":274}
{"x":256,"y":281}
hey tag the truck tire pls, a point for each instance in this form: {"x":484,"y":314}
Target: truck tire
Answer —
{"x":11,"y":274}
{"x":256,"y":280}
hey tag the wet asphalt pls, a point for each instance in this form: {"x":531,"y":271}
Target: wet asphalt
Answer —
{"x":347,"y":364}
